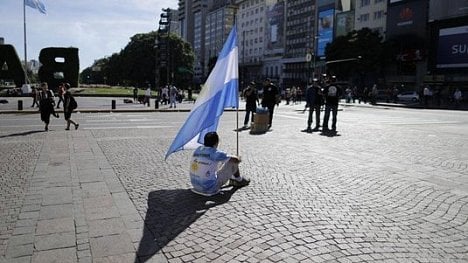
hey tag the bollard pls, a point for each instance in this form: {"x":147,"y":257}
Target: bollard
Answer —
{"x":156,"y":103}
{"x":113,"y":104}
{"x":20,"y":105}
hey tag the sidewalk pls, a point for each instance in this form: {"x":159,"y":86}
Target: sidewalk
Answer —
{"x":104,"y":104}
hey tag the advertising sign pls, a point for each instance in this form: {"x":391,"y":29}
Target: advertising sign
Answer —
{"x":408,"y":18}
{"x":325,"y":30}
{"x":344,"y":23}
{"x":452,"y":51}
{"x":275,"y":26}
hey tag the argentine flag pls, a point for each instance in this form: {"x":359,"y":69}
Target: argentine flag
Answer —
{"x":220,"y":91}
{"x":36,"y":4}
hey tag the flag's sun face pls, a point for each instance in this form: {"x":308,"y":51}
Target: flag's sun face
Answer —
{"x":194,"y":166}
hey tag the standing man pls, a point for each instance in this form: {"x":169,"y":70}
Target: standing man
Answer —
{"x":148,"y":95}
{"x":173,"y":92}
{"x":314,"y":102}
{"x":60,"y":94}
{"x":270,"y":98}
{"x":332,"y":95}
{"x":135,"y":95}
{"x":251,"y":100}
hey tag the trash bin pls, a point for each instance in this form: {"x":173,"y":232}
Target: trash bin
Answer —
{"x":113,"y":104}
{"x":260,"y":121}
{"x":20,"y":105}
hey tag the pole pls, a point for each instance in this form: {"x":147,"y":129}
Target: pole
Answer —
{"x":25,"y":48}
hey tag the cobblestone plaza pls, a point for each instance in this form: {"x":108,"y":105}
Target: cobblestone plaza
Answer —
{"x":391,"y":186}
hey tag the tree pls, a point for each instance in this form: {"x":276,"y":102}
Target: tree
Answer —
{"x":361,"y":53}
{"x":136,"y":64}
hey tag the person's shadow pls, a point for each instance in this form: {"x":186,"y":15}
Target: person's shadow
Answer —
{"x":20,"y":134}
{"x":169,"y":213}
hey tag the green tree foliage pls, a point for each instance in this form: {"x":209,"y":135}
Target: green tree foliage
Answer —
{"x":136,"y":64}
{"x":364,"y":44}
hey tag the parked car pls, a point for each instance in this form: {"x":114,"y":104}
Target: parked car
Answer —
{"x":412,"y":96}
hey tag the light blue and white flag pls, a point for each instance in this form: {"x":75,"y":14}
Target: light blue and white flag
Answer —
{"x":36,"y":4}
{"x":220,"y":91}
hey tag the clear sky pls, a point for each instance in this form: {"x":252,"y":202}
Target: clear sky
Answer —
{"x":98,"y":28}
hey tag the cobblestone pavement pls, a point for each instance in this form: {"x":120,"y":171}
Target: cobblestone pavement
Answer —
{"x":391,"y":186}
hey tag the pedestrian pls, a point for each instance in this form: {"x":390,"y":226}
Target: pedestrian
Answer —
{"x":314,"y":102}
{"x":205,"y":176}
{"x":251,"y":100}
{"x":270,"y":98}
{"x":34,"y":97}
{"x":457,"y":97}
{"x":332,"y":95}
{"x":60,"y":94}
{"x":69,"y":104}
{"x":427,"y":95}
{"x":165,"y":95}
{"x":135,"y":94}
{"x":46,"y":105}
{"x":148,"y":95}
{"x":173,"y":92}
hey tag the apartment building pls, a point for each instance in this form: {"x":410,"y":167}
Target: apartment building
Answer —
{"x":371,"y":14}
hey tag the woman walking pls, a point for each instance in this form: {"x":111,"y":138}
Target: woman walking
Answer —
{"x":69,"y":104}
{"x":46,"y":105}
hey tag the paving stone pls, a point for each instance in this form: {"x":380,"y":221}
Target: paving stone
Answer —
{"x":56,"y":255}
{"x":55,"y":241}
{"x":52,"y":226}
{"x":114,"y":245}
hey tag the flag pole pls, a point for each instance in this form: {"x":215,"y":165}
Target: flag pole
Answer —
{"x":238,"y":102}
{"x":25,"y":47}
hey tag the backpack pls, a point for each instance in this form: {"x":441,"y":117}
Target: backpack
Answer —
{"x":73,"y":104}
{"x":332,"y":90}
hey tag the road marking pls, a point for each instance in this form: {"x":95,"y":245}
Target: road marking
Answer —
{"x":129,"y":127}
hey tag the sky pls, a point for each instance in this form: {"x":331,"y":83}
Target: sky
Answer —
{"x":98,"y":28}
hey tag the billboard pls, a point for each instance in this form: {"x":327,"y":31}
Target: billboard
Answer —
{"x":275,"y":28}
{"x":443,"y":9}
{"x":325,"y":30}
{"x":408,"y":18}
{"x":344,"y":23}
{"x":452,"y":50}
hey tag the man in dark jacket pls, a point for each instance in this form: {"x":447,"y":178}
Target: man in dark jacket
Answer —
{"x":332,"y":95}
{"x":270,"y":98}
{"x":251,"y":100}
{"x":314,"y":102}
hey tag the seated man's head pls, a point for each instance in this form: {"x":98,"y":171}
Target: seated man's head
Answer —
{"x":211,"y":139}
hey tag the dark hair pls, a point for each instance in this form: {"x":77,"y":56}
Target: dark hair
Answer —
{"x":66,"y":85}
{"x":211,"y":139}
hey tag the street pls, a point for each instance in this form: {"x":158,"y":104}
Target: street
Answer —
{"x":391,"y":186}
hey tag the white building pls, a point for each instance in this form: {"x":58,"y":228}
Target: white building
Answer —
{"x":371,"y":14}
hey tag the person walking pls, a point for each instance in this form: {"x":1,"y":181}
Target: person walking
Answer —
{"x":148,"y":95}
{"x":251,"y":100}
{"x":270,"y":98}
{"x":69,"y":104}
{"x":205,"y":176}
{"x":46,"y":105}
{"x":60,"y":94}
{"x":332,"y":96}
{"x":173,"y":92}
{"x":314,"y":102}
{"x":457,"y":97}
{"x":34,"y":97}
{"x":135,"y":95}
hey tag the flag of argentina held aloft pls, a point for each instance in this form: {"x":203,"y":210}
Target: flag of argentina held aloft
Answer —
{"x":220,"y":91}
{"x":36,"y":4}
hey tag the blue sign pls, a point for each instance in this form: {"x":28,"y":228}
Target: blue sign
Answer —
{"x":325,"y":30}
{"x":452,"y":51}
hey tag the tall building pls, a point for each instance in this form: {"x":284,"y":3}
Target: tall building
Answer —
{"x":251,"y":21}
{"x":300,"y":42}
{"x":219,"y":22}
{"x":371,"y":14}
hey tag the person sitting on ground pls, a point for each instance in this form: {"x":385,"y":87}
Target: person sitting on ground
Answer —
{"x":206,"y":176}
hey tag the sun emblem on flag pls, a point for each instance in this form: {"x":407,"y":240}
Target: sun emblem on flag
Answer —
{"x":194,"y":166}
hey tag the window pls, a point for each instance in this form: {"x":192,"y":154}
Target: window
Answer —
{"x":378,"y":15}
{"x":365,"y":3}
{"x":364,"y":18}
{"x":378,"y":1}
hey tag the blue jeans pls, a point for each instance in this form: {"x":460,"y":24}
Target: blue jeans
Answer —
{"x":328,"y":108}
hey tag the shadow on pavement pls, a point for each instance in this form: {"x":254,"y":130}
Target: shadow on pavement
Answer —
{"x":169,"y":213}
{"x":21,"y":133}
